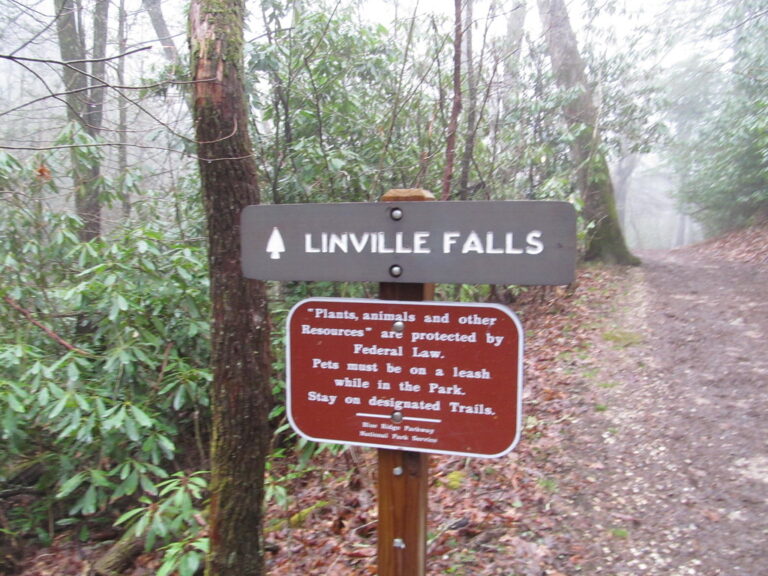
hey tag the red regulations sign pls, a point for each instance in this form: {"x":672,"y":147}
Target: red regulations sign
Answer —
{"x":422,"y":376}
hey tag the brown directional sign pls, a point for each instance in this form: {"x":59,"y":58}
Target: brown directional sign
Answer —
{"x":504,"y":242}
{"x":421,"y":376}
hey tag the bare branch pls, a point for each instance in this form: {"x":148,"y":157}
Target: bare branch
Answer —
{"x":29,"y":316}
{"x":18,"y":491}
{"x":745,"y":21}
{"x":140,"y":146}
{"x":36,"y":36}
{"x":52,"y":94}
{"x":71,"y":63}
{"x":59,"y":95}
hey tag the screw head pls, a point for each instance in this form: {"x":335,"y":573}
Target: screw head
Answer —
{"x":395,"y":271}
{"x":396,"y":214}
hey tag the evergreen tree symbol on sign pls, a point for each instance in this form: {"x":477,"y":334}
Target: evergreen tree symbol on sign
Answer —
{"x":275,"y":244}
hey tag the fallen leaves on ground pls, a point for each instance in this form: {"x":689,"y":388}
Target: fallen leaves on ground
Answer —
{"x":486,"y":517}
{"x":748,"y":245}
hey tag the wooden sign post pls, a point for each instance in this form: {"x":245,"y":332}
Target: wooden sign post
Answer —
{"x":404,"y":375}
{"x":403,"y":475}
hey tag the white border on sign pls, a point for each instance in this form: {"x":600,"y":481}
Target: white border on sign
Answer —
{"x":519,"y":407}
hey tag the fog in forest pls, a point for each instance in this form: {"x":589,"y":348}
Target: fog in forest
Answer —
{"x":650,"y":213}
{"x":138,"y":364}
{"x":660,"y":105}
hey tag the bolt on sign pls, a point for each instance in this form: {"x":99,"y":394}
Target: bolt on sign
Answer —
{"x":420,"y":376}
{"x":502,"y":242}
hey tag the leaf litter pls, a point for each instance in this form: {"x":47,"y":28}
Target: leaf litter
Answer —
{"x":557,"y":505}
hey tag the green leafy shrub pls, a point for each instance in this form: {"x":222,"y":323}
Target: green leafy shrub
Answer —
{"x":103,"y":350}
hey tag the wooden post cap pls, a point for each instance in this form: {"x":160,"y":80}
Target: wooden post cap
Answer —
{"x":407,"y":195}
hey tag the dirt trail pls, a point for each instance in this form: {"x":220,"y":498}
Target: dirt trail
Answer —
{"x":665,"y":468}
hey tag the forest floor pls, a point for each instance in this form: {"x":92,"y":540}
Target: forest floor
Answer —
{"x":665,"y":458}
{"x":644,"y":448}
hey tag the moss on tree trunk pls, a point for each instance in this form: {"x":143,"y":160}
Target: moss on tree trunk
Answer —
{"x":605,"y":240}
{"x":240,"y":332}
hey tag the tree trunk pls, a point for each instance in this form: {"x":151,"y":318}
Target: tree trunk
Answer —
{"x":240,"y":332}
{"x":94,"y":115}
{"x":155,"y":11}
{"x":506,"y":101}
{"x":471,"y":119}
{"x":593,"y":180}
{"x":450,"y":140}
{"x":120,"y":555}
{"x":122,"y":112}
{"x":80,"y":107}
{"x":623,"y":172}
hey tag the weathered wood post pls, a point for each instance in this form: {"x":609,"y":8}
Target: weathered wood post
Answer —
{"x":400,"y":374}
{"x":403,"y":475}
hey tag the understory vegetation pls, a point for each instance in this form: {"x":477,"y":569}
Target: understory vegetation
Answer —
{"x":105,"y":354}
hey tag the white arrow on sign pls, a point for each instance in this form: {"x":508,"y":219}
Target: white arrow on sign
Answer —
{"x":275,"y":244}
